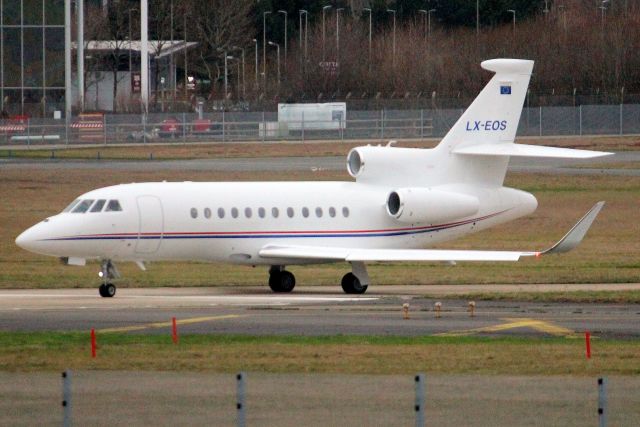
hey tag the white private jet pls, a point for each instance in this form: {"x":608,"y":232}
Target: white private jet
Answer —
{"x":402,"y":201}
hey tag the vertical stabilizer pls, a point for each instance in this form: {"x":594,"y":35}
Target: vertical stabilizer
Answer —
{"x":492,"y":118}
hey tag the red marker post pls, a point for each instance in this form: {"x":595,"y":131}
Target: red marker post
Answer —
{"x":174,"y":330}
{"x":587,"y":341}
{"x":93,"y":343}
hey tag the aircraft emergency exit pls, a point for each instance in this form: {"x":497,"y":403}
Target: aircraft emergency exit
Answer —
{"x":403,"y":201}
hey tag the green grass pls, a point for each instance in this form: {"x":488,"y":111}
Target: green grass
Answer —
{"x":331,"y":354}
{"x":604,"y":297}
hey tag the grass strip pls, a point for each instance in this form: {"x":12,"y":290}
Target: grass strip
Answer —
{"x":601,"y":297}
{"x":330,"y":354}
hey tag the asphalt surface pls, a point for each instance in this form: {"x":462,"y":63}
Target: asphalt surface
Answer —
{"x":332,"y":163}
{"x":311,"y":311}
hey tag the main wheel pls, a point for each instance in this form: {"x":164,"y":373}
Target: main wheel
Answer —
{"x":102,"y":290}
{"x":282,"y":281}
{"x":351,"y":284}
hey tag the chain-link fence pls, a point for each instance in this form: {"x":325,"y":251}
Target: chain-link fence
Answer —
{"x":623,"y":119}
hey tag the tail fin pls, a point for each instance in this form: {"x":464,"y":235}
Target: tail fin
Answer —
{"x":492,"y":118}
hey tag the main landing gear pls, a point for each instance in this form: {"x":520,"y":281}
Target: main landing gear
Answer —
{"x":280,"y":280}
{"x":356,"y":282}
{"x":108,"y":272}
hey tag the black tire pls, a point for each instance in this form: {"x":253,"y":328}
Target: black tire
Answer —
{"x":110,"y":290}
{"x":351,"y":284}
{"x":282,"y":281}
{"x":102,"y":290}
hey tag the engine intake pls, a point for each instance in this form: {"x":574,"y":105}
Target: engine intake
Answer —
{"x":419,"y":204}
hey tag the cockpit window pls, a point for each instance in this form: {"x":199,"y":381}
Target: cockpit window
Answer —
{"x":83,"y":206}
{"x":113,"y":206}
{"x":71,"y":206}
{"x":98,"y":205}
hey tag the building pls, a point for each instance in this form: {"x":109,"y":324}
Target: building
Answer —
{"x":32,"y":70}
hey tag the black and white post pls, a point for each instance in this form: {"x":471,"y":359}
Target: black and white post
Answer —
{"x":420,"y":398}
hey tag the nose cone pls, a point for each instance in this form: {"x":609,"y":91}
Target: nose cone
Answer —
{"x":26,"y":239}
{"x":34,"y":239}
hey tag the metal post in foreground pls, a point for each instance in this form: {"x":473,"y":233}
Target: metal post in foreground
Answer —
{"x":602,"y":401}
{"x":420,"y":397}
{"x":66,"y":398}
{"x":240,"y":400}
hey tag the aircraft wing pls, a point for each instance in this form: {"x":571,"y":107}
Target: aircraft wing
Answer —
{"x":325,"y":253}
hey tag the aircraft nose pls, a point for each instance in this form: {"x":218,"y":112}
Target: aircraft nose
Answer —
{"x":26,"y":239}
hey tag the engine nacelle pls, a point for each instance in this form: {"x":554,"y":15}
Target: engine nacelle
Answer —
{"x":419,"y":204}
{"x":385,"y":164}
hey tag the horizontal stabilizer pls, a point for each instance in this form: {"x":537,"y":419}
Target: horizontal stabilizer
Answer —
{"x":524,"y":150}
{"x":323,"y":253}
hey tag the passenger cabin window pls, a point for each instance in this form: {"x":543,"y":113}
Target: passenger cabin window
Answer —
{"x":319,"y":212}
{"x":98,"y":205}
{"x":207,"y":213}
{"x":234,"y":212}
{"x":220,"y":213}
{"x":332,"y":212}
{"x":247,"y":212}
{"x":290,"y":212}
{"x":275,"y":212}
{"x":345,"y":212}
{"x":194,"y":213}
{"x":113,"y":206}
{"x":261,"y":212}
{"x":305,"y":212}
{"x":71,"y":206}
{"x":83,"y":206}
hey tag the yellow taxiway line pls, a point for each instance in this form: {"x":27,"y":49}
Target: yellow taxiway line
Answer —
{"x":513,"y":323}
{"x":169,"y":324}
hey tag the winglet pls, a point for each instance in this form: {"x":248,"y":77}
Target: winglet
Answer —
{"x":577,"y":233}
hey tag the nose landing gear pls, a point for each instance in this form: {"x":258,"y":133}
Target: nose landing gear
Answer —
{"x":108,"y":272}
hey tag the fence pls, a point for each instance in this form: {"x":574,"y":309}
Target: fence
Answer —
{"x":196,"y":398}
{"x":623,"y":119}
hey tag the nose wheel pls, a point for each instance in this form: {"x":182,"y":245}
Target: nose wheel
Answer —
{"x":108,"y":272}
{"x":107,"y":290}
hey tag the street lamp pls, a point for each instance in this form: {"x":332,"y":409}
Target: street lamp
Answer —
{"x":264,"y":48}
{"x":226,"y":91}
{"x":244,"y":84}
{"x":130,"y":37}
{"x":514,"y":19}
{"x":424,"y":23}
{"x":278,"y":48}
{"x":369,"y":10}
{"x":477,"y":18}
{"x":255,"y":43}
{"x":323,"y":10}
{"x":430,"y":11}
{"x":338,"y":10}
{"x":285,"y":34}
{"x":306,"y":28}
{"x":394,"y":34}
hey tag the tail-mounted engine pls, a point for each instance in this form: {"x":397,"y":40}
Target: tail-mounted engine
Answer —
{"x":419,"y":204}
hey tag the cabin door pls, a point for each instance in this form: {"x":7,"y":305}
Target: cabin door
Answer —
{"x":150,"y":224}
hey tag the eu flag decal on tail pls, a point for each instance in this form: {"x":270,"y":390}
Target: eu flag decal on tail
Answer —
{"x":505,"y":90}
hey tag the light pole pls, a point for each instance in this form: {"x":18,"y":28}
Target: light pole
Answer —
{"x":244,"y":83}
{"x":130,"y":38}
{"x":306,"y":20}
{"x":278,"y":49}
{"x":477,"y":18}
{"x":603,"y":8}
{"x":394,"y":34}
{"x":369,"y":10}
{"x":514,"y":19}
{"x":338,"y":10}
{"x":285,"y":34}
{"x":255,"y":42}
{"x":323,"y":11}
{"x":226,"y":91}
{"x":430,"y":11}
{"x":186,"y":79}
{"x":264,"y":49}
{"x":424,"y":23}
